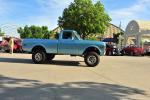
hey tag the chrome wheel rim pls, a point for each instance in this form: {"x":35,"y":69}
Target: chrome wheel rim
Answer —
{"x":92,"y":59}
{"x":38,"y":57}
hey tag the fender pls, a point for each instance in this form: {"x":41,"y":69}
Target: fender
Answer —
{"x":41,"y":45}
{"x":92,"y":46}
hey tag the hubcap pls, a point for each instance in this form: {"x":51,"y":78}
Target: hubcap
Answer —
{"x":91,"y":59}
{"x":38,"y":57}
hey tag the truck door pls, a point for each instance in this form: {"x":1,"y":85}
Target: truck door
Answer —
{"x":67,"y":44}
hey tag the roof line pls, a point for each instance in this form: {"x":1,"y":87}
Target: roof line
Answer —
{"x":117,"y":27}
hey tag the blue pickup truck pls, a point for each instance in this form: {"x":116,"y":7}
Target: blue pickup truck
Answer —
{"x":67,"y":42}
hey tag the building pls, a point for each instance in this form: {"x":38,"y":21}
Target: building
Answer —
{"x":137,"y":32}
{"x":112,"y":29}
{"x":57,"y":29}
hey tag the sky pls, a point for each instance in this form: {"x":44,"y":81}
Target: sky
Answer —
{"x":16,"y":13}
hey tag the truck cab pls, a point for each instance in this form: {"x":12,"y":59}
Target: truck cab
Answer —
{"x":68,"y":42}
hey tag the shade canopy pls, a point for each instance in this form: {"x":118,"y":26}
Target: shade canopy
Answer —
{"x":108,"y":40}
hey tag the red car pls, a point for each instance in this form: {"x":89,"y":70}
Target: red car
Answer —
{"x":132,"y":50}
{"x":17,"y":45}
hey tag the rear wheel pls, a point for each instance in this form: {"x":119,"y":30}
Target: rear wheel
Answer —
{"x":39,"y":57}
{"x":92,"y":59}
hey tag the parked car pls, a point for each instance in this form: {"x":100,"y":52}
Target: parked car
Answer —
{"x":17,"y":45}
{"x":132,"y":50}
{"x":67,"y":42}
{"x":147,"y":48}
{"x":112,"y":50}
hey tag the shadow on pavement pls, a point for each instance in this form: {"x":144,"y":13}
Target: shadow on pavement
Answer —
{"x":66,"y":63}
{"x":16,"y":60}
{"x":24,"y":89}
{"x":54,"y":62}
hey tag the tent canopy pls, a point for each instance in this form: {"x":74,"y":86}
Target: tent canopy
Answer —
{"x":108,"y":40}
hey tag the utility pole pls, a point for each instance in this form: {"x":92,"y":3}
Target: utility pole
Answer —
{"x":120,"y":36}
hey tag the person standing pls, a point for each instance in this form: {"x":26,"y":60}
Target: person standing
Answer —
{"x":11,"y":45}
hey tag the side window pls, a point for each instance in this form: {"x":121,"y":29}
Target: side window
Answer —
{"x":57,"y":36}
{"x":67,"y":35}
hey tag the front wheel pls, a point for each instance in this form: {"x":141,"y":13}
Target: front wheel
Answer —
{"x":92,"y":59}
{"x":39,"y":57}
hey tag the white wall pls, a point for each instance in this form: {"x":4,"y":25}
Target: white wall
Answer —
{"x":1,"y":38}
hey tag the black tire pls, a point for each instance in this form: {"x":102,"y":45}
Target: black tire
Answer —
{"x":110,"y":53}
{"x":50,"y":57}
{"x":39,"y":57}
{"x":7,"y":51}
{"x":142,"y":54}
{"x":91,"y":59}
{"x":122,"y":53}
{"x":131,"y":53}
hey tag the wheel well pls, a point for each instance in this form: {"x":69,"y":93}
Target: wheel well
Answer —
{"x":38,"y":48}
{"x":91,"y":49}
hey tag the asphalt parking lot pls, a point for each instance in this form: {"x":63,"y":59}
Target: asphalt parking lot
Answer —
{"x":68,"y":78}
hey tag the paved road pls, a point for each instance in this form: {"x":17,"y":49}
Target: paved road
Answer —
{"x":68,"y":78}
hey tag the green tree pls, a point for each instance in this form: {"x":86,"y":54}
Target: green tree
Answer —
{"x":1,"y":33}
{"x":47,"y":33}
{"x":85,"y":17}
{"x":34,"y":32}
